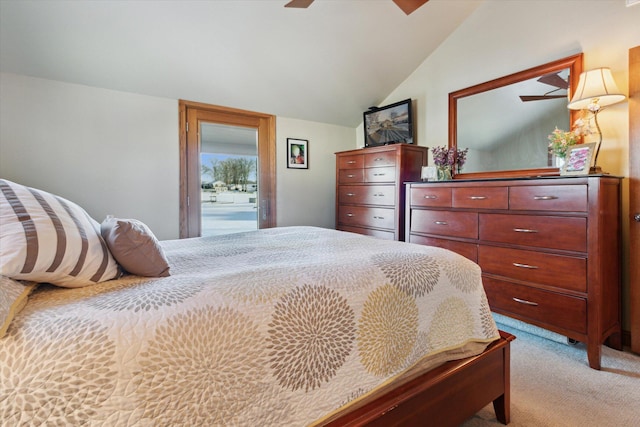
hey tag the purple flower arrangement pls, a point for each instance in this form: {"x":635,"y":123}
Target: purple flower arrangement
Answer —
{"x":449,"y":157}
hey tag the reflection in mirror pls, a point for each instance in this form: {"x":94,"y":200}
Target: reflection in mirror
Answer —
{"x":505,"y":122}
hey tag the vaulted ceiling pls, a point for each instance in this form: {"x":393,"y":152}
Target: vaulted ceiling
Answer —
{"x":327,"y":63}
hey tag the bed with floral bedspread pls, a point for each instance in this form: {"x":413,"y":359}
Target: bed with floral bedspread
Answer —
{"x":281,"y":326}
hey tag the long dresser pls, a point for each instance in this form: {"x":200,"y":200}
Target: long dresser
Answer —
{"x":370,"y":196}
{"x":549,"y":248}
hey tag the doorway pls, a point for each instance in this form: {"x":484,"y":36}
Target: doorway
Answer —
{"x":228,"y":179}
{"x":193,"y":116}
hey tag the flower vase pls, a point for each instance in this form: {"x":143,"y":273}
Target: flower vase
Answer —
{"x":444,"y":174}
{"x":559,"y":162}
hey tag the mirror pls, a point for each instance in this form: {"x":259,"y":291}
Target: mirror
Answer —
{"x":505,"y":122}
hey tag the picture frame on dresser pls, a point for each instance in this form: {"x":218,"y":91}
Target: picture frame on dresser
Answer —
{"x":578,"y":159}
{"x":297,"y":153}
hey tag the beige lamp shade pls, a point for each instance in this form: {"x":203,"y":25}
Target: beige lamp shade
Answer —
{"x":595,"y":87}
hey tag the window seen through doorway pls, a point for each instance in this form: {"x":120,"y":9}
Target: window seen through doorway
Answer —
{"x":228,"y":179}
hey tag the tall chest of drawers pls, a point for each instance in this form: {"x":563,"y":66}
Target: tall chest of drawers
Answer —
{"x":549,"y":248}
{"x":370,"y":196}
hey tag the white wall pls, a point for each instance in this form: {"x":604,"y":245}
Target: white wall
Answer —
{"x":503,"y":37}
{"x":111,"y":152}
{"x":117,"y":153}
{"x":307,"y":196}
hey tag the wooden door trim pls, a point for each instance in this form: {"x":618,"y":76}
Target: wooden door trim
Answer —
{"x":265,"y":124}
{"x":634,"y":196}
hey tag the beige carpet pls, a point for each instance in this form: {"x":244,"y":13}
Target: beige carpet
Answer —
{"x":552,"y":384}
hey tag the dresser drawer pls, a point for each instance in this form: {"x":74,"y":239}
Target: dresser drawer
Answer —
{"x":366,"y":217}
{"x":537,"y":267}
{"x":431,"y":196}
{"x":445,"y":223}
{"x":367,"y":194}
{"x":544,"y":307}
{"x":355,"y":161}
{"x":481,"y":197}
{"x":385,"y":235}
{"x":468,"y":250}
{"x":564,"y":198}
{"x":539,"y":231}
{"x":350,"y":176}
{"x":384,"y":174}
{"x":383,"y":158}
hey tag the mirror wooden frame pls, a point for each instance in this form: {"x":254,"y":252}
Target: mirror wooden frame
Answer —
{"x":574,"y":63}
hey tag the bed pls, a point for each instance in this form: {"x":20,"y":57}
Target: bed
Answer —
{"x":284,"y":326}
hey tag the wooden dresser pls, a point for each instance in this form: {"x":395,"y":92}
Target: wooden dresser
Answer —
{"x":549,"y":248}
{"x":370,"y":196}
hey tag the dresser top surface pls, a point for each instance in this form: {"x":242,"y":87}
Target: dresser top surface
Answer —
{"x":575,"y":179}
{"x":388,"y":147}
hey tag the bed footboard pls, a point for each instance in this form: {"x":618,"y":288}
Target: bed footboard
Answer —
{"x":445,"y":396}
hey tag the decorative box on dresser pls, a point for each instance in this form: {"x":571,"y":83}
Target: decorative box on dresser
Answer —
{"x":370,"y":197}
{"x":549,"y":248}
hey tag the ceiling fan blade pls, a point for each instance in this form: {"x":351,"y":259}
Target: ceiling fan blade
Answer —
{"x":302,"y":4}
{"x":409,"y":6}
{"x":554,"y":80}
{"x":526,"y":98}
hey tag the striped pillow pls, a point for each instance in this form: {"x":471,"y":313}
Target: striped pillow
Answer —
{"x":45,"y":238}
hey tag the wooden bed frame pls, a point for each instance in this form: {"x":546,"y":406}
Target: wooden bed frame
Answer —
{"x":445,"y":396}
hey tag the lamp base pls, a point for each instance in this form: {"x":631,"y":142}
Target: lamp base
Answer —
{"x":596,"y":170}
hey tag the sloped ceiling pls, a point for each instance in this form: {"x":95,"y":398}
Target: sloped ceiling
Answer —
{"x":327,"y":63}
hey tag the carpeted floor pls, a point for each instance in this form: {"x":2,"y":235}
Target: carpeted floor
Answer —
{"x":552,"y":384}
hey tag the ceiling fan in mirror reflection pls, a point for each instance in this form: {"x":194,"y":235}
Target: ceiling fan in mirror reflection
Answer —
{"x":552,"y":79}
{"x":407,"y":6}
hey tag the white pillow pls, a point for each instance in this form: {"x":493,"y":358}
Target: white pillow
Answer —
{"x":46,"y":238}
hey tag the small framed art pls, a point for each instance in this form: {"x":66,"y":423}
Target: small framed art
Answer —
{"x":297,"y":153}
{"x":578,"y":159}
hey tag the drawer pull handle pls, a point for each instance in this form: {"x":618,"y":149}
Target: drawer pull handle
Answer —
{"x":350,"y":215}
{"x":351,"y":162}
{"x":350,"y":176}
{"x":351,"y":194}
{"x":477,"y":197}
{"x":524,"y":301}
{"x":379,"y":174}
{"x":378,"y":217}
{"x":379,"y":159}
{"x":441,"y":222}
{"x":524,"y":230}
{"x":532,"y":267}
{"x":430,"y":197}
{"x":378,"y":195}
{"x":544,"y":197}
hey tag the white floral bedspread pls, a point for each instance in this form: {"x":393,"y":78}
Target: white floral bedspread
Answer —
{"x":275,"y":327}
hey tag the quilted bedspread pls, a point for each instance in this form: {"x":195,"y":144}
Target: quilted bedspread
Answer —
{"x":277,"y":327}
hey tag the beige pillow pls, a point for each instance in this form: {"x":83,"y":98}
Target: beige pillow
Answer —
{"x":13,"y":298}
{"x":135,"y":247}
{"x":46,"y":238}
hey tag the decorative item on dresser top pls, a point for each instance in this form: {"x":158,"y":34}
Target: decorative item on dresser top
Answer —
{"x":549,"y":248}
{"x":596,"y":90}
{"x":370,"y":195}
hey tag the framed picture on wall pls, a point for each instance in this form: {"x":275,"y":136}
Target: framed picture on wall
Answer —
{"x":578,"y":159}
{"x":297,"y":153}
